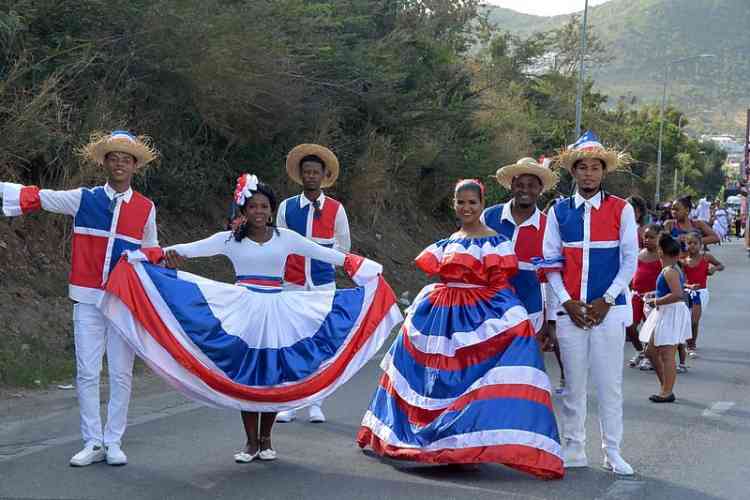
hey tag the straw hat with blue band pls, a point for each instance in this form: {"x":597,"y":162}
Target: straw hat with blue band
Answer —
{"x":121,"y":141}
{"x":527,"y":166}
{"x":330,"y":162}
{"x":588,"y":146}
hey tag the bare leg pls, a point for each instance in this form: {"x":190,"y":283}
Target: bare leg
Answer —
{"x":669,"y":369}
{"x":250,"y":422}
{"x":682,"y":353}
{"x":652,"y":354}
{"x":695,"y":313}
{"x":266,"y":424}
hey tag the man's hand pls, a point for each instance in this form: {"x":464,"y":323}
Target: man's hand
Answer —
{"x":599,"y":310}
{"x":578,"y":312}
{"x":173,"y":260}
{"x":547,"y":337}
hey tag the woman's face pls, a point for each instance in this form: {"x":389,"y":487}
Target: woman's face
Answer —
{"x":679,"y":211}
{"x":468,"y":206}
{"x":258,"y":211}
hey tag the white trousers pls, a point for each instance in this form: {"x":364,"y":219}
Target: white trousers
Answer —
{"x":597,"y":352}
{"x":94,"y":335}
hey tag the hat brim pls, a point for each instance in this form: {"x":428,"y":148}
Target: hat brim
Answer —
{"x":612,"y":159}
{"x":329,"y":159}
{"x":140,"y":149}
{"x":506,"y":174}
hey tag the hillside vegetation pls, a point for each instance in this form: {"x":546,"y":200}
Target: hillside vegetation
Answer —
{"x":643,"y":35}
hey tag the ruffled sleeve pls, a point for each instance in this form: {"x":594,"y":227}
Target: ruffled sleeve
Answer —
{"x":430,"y":259}
{"x":499,"y":261}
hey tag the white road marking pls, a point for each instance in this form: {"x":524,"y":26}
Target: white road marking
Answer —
{"x":717,"y":409}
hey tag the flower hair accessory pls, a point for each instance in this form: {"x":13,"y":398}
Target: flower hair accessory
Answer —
{"x":247,"y":186}
{"x":470,"y":182}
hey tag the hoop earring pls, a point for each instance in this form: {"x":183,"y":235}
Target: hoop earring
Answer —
{"x":270,"y":220}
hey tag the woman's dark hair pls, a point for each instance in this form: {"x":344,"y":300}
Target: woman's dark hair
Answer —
{"x":240,"y":231}
{"x":640,"y":204}
{"x":470,"y":185}
{"x":669,"y":246}
{"x":657,"y":228}
{"x":685,"y":201}
{"x":313,"y":159}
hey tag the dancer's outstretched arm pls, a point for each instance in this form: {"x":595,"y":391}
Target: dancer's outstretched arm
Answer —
{"x":207,"y":247}
{"x":20,"y":200}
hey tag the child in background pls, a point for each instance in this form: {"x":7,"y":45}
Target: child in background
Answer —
{"x":668,"y":325}
{"x":698,"y":266}
{"x":644,"y":282}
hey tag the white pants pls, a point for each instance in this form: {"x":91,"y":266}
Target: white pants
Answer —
{"x":598,"y":352}
{"x":93,"y":335}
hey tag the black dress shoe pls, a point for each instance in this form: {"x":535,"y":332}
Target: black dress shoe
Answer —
{"x":655,"y":398}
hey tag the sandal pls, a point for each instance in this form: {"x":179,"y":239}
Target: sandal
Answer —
{"x":655,"y":398}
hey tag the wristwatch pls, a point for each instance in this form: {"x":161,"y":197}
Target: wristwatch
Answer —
{"x":609,"y":299}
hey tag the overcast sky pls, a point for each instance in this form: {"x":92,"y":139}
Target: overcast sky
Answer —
{"x":545,"y":7}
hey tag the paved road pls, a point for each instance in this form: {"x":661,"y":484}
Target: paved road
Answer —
{"x":697,"y":448}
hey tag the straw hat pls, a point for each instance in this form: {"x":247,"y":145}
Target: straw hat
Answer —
{"x":120,"y":141}
{"x":588,"y":146}
{"x":329,"y":159}
{"x":530,"y":166}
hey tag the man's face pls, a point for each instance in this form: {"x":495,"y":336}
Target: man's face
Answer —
{"x":589,"y":174}
{"x":312,"y":174}
{"x":120,"y":167}
{"x":526,"y":189}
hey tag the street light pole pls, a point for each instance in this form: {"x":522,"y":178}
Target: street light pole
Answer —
{"x":657,"y":195}
{"x":579,"y":90}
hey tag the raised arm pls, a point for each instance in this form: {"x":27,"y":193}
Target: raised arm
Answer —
{"x":715,"y":265}
{"x":709,"y":235}
{"x":20,"y":200}
{"x":208,"y":247}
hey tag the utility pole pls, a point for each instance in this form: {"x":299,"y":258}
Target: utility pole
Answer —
{"x":579,"y":91}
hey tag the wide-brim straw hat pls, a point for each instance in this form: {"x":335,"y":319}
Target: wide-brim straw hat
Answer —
{"x":588,"y":146}
{"x":526,"y":166}
{"x":120,"y":141}
{"x":329,"y":160}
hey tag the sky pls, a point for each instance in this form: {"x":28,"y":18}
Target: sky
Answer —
{"x":545,"y":7}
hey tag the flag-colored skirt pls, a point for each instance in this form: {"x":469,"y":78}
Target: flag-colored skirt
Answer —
{"x":464,"y":382}
{"x":229,"y":346}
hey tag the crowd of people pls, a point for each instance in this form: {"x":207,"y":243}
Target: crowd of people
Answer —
{"x":463,"y":382}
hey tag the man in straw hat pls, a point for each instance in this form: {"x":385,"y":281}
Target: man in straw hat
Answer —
{"x":319,"y":218}
{"x":590,"y":250}
{"x":521,"y":221}
{"x":108,"y":220}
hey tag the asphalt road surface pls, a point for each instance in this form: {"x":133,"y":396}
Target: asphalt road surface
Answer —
{"x":696,"y":448}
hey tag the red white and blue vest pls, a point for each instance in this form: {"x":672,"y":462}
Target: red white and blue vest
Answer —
{"x":591,"y":248}
{"x":527,"y":245}
{"x":102,"y":233}
{"x":321,"y":230}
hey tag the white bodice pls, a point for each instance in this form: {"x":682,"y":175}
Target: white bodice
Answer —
{"x":250,"y":258}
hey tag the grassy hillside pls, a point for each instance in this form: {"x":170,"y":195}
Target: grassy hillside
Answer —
{"x":643,"y":35}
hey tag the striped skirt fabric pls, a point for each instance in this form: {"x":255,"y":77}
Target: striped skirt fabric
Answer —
{"x":464,"y":382}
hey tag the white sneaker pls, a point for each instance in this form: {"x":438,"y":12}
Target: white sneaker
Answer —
{"x":316,"y":415}
{"x":614,"y":462}
{"x":645,"y":365}
{"x":285,"y":416}
{"x":115,"y":455}
{"x":267,"y":454}
{"x":574,"y":455}
{"x":91,"y":453}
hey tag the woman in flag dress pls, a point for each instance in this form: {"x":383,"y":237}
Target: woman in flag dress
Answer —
{"x":250,"y":346}
{"x":464,"y":382}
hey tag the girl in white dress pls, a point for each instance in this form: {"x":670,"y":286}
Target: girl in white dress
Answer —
{"x":251,"y":346}
{"x":668,"y":324}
